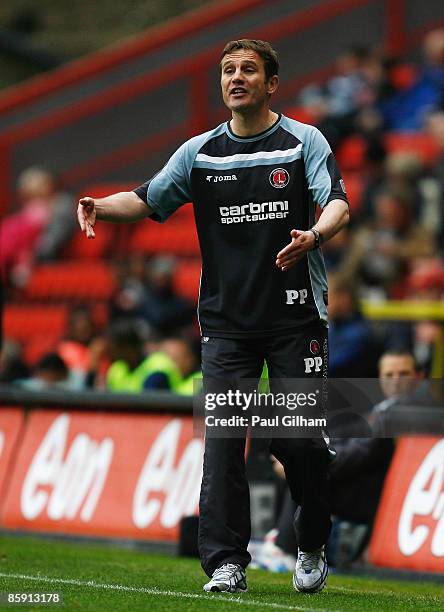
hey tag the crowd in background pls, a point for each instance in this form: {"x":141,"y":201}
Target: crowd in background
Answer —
{"x":146,"y":337}
{"x":393,"y":248}
{"x":150,"y":339}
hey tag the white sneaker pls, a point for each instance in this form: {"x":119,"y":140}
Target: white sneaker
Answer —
{"x":311,"y":571}
{"x":229,"y":578}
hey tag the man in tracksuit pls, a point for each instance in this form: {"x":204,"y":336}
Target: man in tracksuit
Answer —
{"x":254,"y":182}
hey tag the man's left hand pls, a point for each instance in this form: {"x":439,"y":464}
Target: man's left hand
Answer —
{"x":301,"y":242}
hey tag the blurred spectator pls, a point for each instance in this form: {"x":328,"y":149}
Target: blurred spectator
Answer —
{"x":426,"y":281}
{"x":163,"y":308}
{"x":82,"y":349}
{"x":348,"y":103}
{"x":132,"y":370}
{"x":423,"y":338}
{"x":12,"y":366}
{"x":180,"y":350}
{"x":399,"y":375}
{"x":436,"y":128}
{"x":335,"y":250}
{"x":361,"y":464}
{"x":44,"y":223}
{"x":128,"y":299}
{"x":349,"y":89}
{"x":51,"y":372}
{"x":405,"y":171}
{"x":357,"y":476}
{"x":81,"y":330}
{"x":146,"y":291}
{"x":382,"y":249}
{"x":373,"y":176}
{"x":334,"y":106}
{"x":408,"y":110}
{"x":353,"y":349}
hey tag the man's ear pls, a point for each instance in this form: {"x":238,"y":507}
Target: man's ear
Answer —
{"x":273,"y":84}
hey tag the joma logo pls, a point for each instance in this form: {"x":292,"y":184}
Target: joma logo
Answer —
{"x":217,"y":179}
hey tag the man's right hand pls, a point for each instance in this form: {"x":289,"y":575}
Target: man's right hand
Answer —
{"x":86,"y":215}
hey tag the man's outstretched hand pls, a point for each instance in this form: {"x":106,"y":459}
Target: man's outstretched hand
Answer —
{"x":301,"y":242}
{"x":86,"y":215}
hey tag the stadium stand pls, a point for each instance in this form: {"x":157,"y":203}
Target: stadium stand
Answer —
{"x":187,"y":278}
{"x":355,"y":187}
{"x":71,"y":281}
{"x":25,"y":321}
{"x":66,"y":106}
{"x":178,"y":237}
{"x":105,"y":243}
{"x":421,"y":144}
{"x":37,"y":326}
{"x":173,"y":69}
{"x":123,"y":111}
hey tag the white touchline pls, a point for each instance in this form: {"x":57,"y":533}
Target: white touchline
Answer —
{"x":154,"y":591}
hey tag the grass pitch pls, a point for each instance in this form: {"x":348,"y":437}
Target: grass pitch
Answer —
{"x":102,"y":578}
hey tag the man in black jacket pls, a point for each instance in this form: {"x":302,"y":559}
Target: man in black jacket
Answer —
{"x":361,"y":464}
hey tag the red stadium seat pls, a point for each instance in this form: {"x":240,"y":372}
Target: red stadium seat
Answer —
{"x":354,"y":186}
{"x":39,"y":327}
{"x":108,"y":236}
{"x":100,"y":190}
{"x":174,"y":237}
{"x":184,"y":214}
{"x":35,"y":348}
{"x":419,"y":143}
{"x":80,"y":247}
{"x":302,"y":114}
{"x":25,"y":321}
{"x":350,"y":154}
{"x":403,"y":76}
{"x":178,"y":236}
{"x":187,"y":279}
{"x":72,"y":280}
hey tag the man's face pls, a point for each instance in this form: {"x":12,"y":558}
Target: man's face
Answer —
{"x":397,"y":375}
{"x":243,"y":81}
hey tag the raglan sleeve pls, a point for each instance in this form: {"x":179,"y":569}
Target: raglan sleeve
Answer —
{"x":170,"y":188}
{"x":321,"y":170}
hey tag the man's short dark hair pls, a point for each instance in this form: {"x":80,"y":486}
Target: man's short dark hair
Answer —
{"x":261,"y":47}
{"x":52,"y":362}
{"x":400,"y":352}
{"x":126,"y":332}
